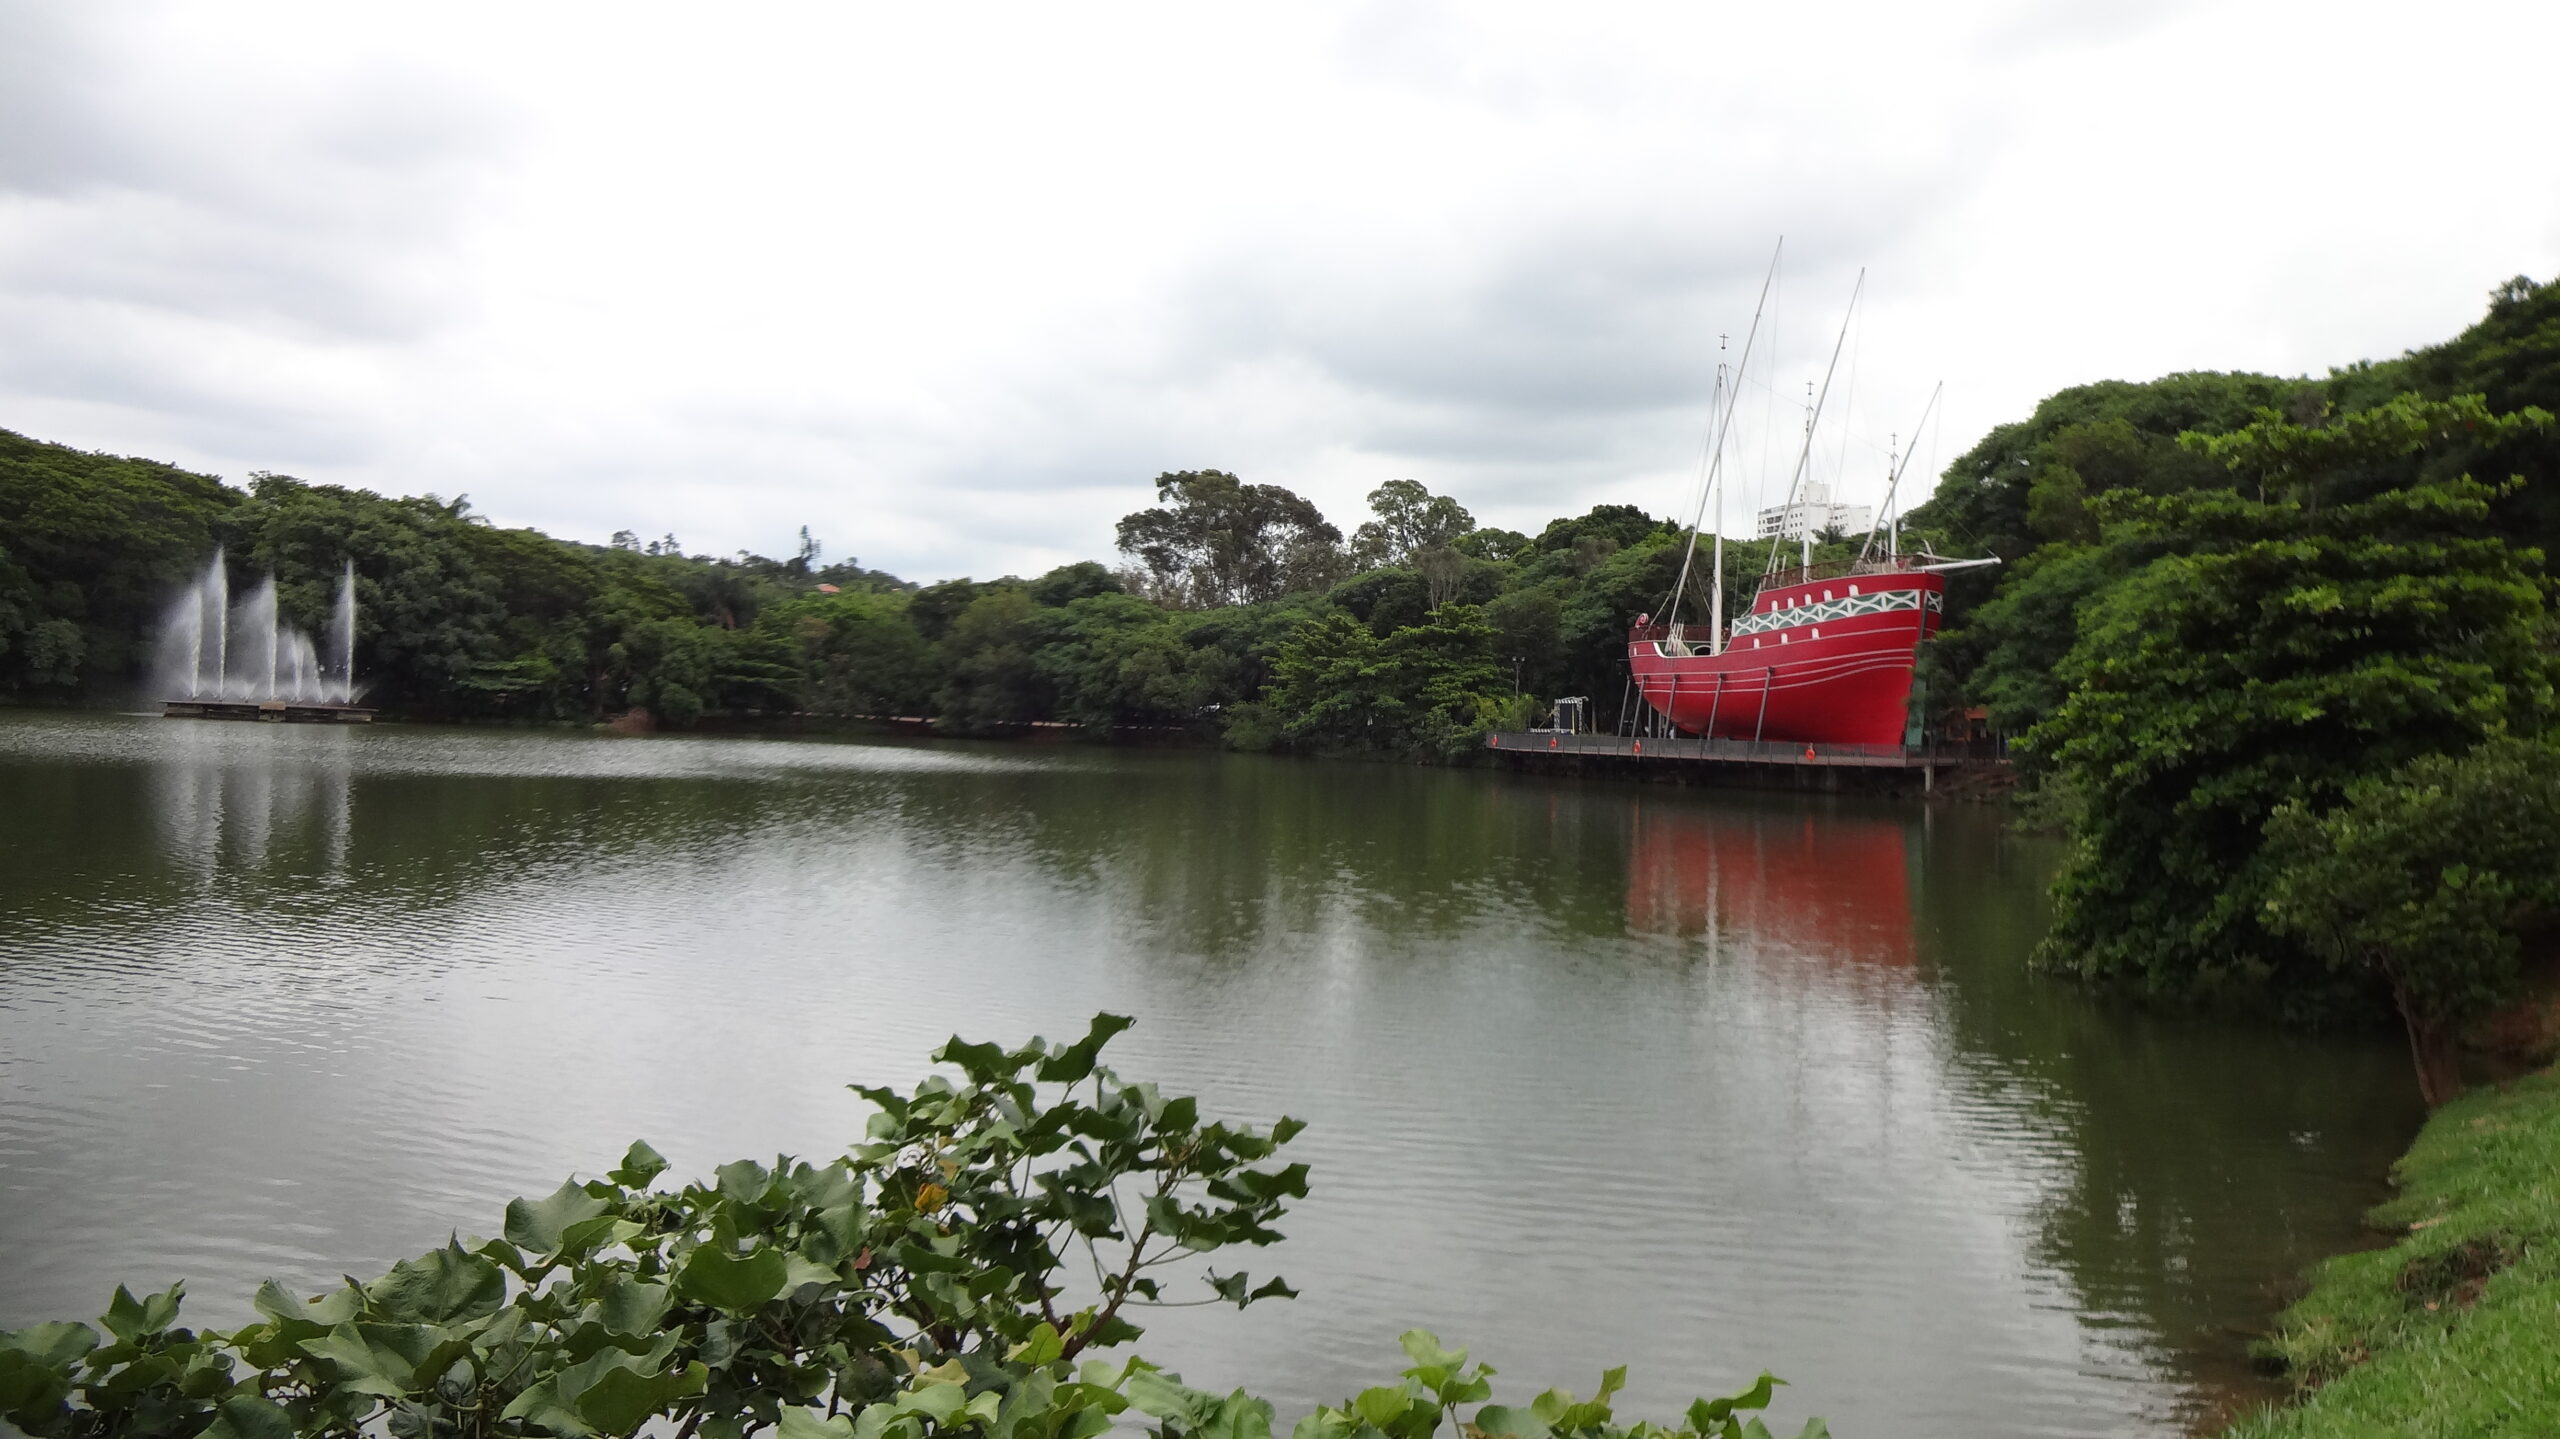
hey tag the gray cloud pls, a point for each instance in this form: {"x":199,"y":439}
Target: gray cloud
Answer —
{"x":953,"y":292}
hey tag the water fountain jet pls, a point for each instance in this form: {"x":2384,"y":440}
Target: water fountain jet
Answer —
{"x":218,"y":660}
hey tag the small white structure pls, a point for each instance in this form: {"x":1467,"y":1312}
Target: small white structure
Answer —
{"x":1813,"y":514}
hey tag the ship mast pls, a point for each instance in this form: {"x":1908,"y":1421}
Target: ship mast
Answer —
{"x":1893,"y":482}
{"x":1715,"y":604}
{"x":1713,"y":461}
{"x":1804,"y":457}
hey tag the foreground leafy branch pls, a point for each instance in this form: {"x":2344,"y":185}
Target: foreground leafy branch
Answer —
{"x":940,"y":1279}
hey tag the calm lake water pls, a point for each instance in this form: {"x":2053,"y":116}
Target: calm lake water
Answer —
{"x":1697,"y":1082}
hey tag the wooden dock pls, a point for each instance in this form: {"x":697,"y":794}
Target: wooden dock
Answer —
{"x":1687,"y":758}
{"x":270,"y":711}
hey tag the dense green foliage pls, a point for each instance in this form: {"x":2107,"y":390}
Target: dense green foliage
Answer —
{"x":2274,"y":652}
{"x":2032,"y":491}
{"x":2426,"y":879}
{"x":2449,"y":1330}
{"x":90,"y":547}
{"x":2230,"y":597}
{"x":929,"y":1283}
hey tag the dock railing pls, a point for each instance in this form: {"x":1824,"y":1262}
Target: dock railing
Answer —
{"x":1737,"y":751}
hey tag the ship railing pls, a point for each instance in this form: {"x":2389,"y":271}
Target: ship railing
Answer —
{"x":1659,"y":746}
{"x":1844,"y":569}
{"x":1696,"y":637}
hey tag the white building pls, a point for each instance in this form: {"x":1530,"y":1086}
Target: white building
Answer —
{"x":1813,"y":513}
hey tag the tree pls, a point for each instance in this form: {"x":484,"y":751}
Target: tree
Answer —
{"x":1410,"y":521}
{"x":1422,"y":689}
{"x":1114,"y":659}
{"x":857,"y":653}
{"x":1069,"y":583}
{"x":2426,"y":879}
{"x":1616,"y":526}
{"x":992,"y":680}
{"x":2275,"y":652}
{"x":1492,"y":544}
{"x":1215,"y":540}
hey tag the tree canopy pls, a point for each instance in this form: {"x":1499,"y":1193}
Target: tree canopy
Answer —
{"x":1214,"y":540}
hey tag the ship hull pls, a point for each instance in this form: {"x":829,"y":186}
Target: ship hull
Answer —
{"x":1818,"y":662}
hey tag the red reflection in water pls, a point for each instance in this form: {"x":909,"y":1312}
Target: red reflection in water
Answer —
{"x":1836,"y":887}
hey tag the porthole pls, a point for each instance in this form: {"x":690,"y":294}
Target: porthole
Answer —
{"x":1853,"y":592}
{"x":1817,"y":631}
{"x":1826,"y":595}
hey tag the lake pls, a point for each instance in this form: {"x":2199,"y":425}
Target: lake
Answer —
{"x":1700,"y":1082}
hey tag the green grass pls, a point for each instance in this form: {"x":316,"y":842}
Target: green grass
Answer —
{"x":2455,"y":1329}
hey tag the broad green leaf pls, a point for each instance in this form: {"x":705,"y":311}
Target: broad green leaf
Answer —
{"x":1165,"y":1396}
{"x":1043,"y":1347}
{"x":940,"y":1401}
{"x":53,"y":1345}
{"x":540,"y":1405}
{"x":1381,"y":1406}
{"x":375,"y":1358}
{"x":130,"y":1319}
{"x":249,"y":1416}
{"x":1075,"y":1063}
{"x":620,"y":1397}
{"x":440,"y":1287}
{"x":744,"y":1181}
{"x":983,"y":1063}
{"x":1238,"y":1416}
{"x":538,"y":1224}
{"x":277,"y":1302}
{"x":797,"y":1271}
{"x":632,"y":1306}
{"x":737,"y":1283}
{"x":1501,"y":1421}
{"x":885,"y":1421}
{"x":843,"y":1224}
{"x":30,"y":1389}
{"x":602,"y":1232}
{"x":640,"y":1164}
{"x":797,"y":1423}
{"x":1706,"y":1412}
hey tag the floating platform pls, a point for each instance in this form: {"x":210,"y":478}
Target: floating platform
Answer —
{"x":1760,"y":763}
{"x":271,"y":711}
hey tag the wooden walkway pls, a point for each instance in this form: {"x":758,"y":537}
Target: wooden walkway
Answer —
{"x":1766,"y":763}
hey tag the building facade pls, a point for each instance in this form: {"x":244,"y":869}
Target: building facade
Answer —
{"x":1813,"y":512}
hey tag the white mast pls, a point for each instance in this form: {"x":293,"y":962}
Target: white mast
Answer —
{"x":1713,"y":459}
{"x":1804,"y":535}
{"x":1804,"y":457}
{"x":1893,"y":483}
{"x":1715,"y":603}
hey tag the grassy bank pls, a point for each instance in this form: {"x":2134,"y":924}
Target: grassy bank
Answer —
{"x":2455,"y":1329}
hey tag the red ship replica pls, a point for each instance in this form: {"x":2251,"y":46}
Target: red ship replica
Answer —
{"x":1825,"y":654}
{"x":1824,"y":657}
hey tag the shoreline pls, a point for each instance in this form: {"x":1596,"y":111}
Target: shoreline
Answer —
{"x":2445,"y":1328}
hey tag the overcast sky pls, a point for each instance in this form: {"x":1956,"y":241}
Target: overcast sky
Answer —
{"x":951,"y":284}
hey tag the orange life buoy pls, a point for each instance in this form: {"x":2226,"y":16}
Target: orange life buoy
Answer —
{"x":1808,"y":752}
{"x":1551,"y":744}
{"x":1639,"y":746}
{"x":1493,"y":741}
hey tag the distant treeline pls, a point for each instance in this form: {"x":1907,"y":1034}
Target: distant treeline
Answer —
{"x":1238,"y":612}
